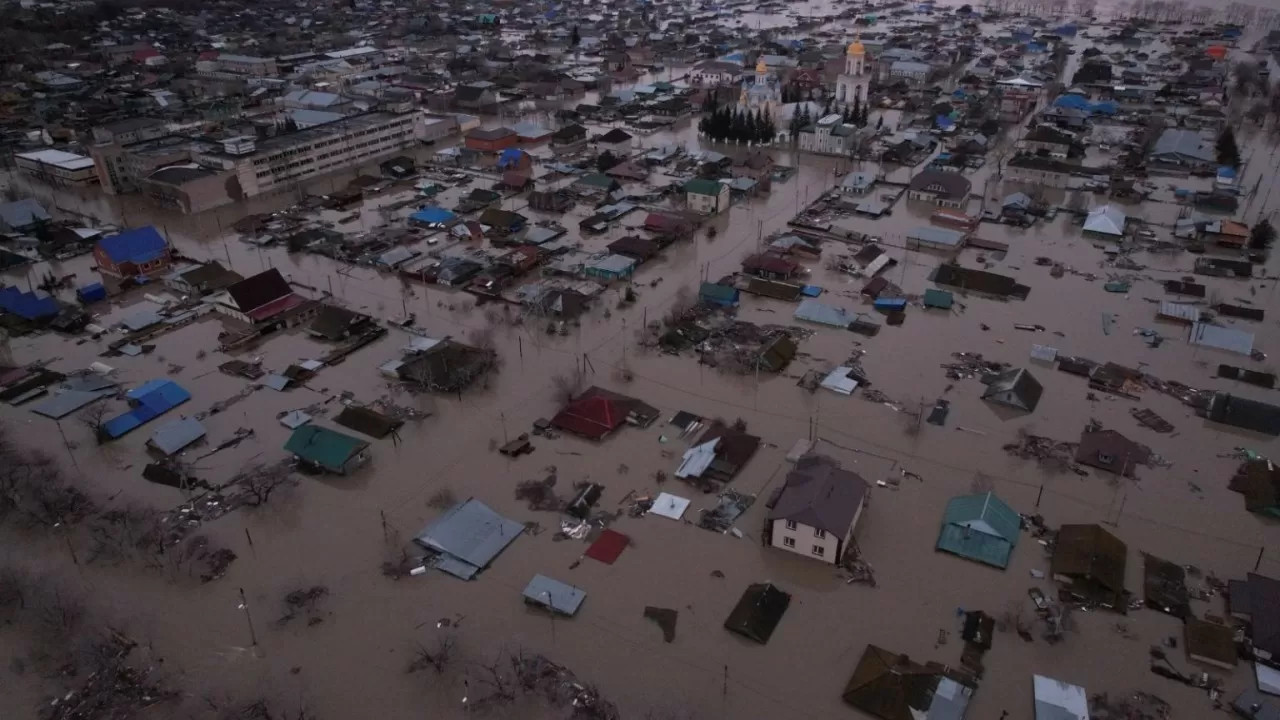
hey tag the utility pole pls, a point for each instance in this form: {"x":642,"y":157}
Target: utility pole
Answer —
{"x":244,"y":605}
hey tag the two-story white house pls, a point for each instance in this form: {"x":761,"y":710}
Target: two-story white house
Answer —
{"x":707,"y":197}
{"x":817,"y":510}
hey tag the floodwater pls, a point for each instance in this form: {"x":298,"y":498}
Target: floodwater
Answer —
{"x":336,"y":532}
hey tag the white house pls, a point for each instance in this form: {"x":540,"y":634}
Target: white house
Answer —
{"x":707,"y":196}
{"x":817,"y":510}
{"x":714,"y":73}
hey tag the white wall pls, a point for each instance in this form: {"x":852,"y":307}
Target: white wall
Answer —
{"x":805,"y":540}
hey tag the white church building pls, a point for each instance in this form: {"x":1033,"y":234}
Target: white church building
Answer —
{"x":855,"y":81}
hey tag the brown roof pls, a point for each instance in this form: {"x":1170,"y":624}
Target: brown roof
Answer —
{"x":1259,"y":481}
{"x":1090,"y":553}
{"x":634,"y":246}
{"x":1109,"y":450}
{"x":261,"y":289}
{"x":1211,"y":642}
{"x":820,"y":494}
{"x":732,"y":452}
{"x":891,"y":686}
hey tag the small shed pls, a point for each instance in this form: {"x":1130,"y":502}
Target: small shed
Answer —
{"x":941,"y":299}
{"x":554,"y":595}
{"x":981,"y":528}
{"x":1058,"y":700}
{"x":1210,"y":643}
{"x":758,"y":612}
{"x":721,"y":295}
{"x":91,"y":293}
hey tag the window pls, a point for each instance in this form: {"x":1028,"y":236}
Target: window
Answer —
{"x":789,"y":542}
{"x":819,"y":550}
{"x":791,"y":524}
{"x":819,"y":533}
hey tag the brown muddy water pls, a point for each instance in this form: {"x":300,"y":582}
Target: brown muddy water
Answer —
{"x":332,"y":533}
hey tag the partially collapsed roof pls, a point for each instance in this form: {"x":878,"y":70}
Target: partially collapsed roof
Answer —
{"x":891,"y":686}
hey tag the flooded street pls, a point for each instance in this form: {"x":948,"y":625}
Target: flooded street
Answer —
{"x":338,"y":531}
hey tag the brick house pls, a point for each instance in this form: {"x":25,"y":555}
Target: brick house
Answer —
{"x":140,"y":252}
{"x":491,"y":140}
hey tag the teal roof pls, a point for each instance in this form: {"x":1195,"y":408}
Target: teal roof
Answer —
{"x":938,"y":298}
{"x":324,"y":447}
{"x":980,"y":527}
{"x":718,"y":292}
{"x":701,"y":186}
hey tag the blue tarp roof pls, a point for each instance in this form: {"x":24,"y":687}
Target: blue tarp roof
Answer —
{"x":432,"y":215}
{"x":1072,"y":101}
{"x":26,"y":305}
{"x":944,"y":122}
{"x":510,"y":156}
{"x":150,"y":400}
{"x":1226,"y":171}
{"x":92,"y":291}
{"x":139,"y":245}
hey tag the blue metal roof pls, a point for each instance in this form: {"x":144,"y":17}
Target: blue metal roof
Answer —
{"x":27,"y":305}
{"x":150,"y":400}
{"x":139,"y":245}
{"x":433,"y":215}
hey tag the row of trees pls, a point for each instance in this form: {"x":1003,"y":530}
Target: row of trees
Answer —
{"x":855,"y":114}
{"x":738,"y":125}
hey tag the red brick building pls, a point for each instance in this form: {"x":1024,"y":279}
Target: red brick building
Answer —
{"x":491,"y":140}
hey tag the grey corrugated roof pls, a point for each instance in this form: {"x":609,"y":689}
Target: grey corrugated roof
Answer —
{"x":820,"y":494}
{"x":553,"y":594}
{"x":1222,"y":338}
{"x":22,"y":213}
{"x":1184,"y":142}
{"x":817,"y":312}
{"x":470,"y":532}
{"x":173,"y":437}
{"x":62,"y":405}
{"x":1107,"y":220}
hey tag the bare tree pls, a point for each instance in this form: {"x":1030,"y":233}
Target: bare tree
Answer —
{"x":260,"y":482}
{"x":437,"y":658}
{"x":95,"y":418}
{"x":682,"y":304}
{"x":567,"y":386}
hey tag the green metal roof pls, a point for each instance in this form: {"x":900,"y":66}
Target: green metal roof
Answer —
{"x":324,"y":447}
{"x":701,"y":186}
{"x":597,"y":180}
{"x":718,"y":292}
{"x":980,"y":527}
{"x":938,"y":299}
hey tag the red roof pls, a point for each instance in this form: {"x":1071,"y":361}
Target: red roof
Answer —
{"x":591,"y":415}
{"x":770,"y":263}
{"x":208,"y":55}
{"x":141,"y":55}
{"x":275,"y":307}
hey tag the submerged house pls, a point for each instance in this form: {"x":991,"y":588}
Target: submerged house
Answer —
{"x":758,"y":612}
{"x":892,"y":686}
{"x":1259,"y":481}
{"x":1257,"y":600}
{"x":138,"y":253}
{"x":1015,"y":388}
{"x":597,"y":412}
{"x":467,"y":538}
{"x":148,"y":401}
{"x":1093,"y":561}
{"x":981,"y":528}
{"x":817,"y":509}
{"x":446,"y":366}
{"x":719,"y":454}
{"x":329,"y":450}
{"x":1109,"y":450}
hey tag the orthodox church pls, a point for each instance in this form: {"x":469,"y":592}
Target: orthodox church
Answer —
{"x":762,"y":92}
{"x":855,"y":81}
